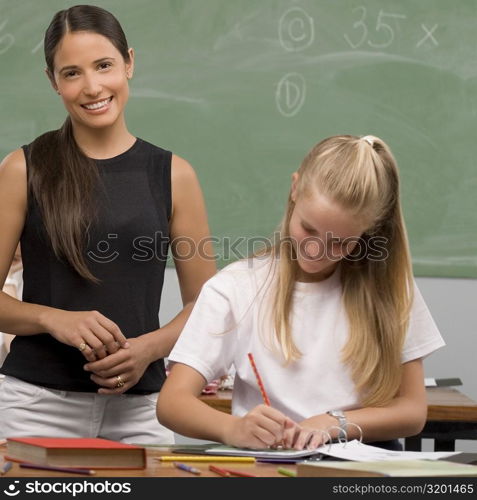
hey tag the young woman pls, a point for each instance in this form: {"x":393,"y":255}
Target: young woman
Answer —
{"x":94,"y":208}
{"x":330,"y":313}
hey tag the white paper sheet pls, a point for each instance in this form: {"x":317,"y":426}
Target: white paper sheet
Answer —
{"x":360,"y":452}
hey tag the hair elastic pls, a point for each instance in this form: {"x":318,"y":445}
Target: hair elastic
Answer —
{"x":368,"y":139}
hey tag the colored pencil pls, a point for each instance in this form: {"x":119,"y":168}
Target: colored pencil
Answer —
{"x":259,"y":379}
{"x":5,"y":468}
{"x":204,"y":458}
{"x":85,"y":472}
{"x":187,"y":468}
{"x":286,"y":472}
{"x":219,"y":471}
{"x":265,"y":397}
{"x":238,"y":473}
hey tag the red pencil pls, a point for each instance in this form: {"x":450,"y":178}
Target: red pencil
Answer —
{"x":219,"y":471}
{"x":239,"y":473}
{"x":259,"y":380}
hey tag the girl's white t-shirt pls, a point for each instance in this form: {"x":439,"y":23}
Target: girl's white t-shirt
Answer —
{"x":229,"y":320}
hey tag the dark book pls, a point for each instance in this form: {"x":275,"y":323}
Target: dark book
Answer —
{"x":443,"y":382}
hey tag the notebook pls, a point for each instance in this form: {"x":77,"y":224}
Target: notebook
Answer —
{"x":385,"y":468}
{"x":352,"y":450}
{"x":266,"y":453}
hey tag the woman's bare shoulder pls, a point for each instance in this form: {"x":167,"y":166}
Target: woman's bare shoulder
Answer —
{"x":14,"y":163}
{"x":13,"y":174}
{"x":182,"y":171}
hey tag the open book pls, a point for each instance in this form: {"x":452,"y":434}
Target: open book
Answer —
{"x":352,"y":450}
{"x":360,"y":452}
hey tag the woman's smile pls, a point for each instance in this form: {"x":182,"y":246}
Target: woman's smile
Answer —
{"x":98,"y":107}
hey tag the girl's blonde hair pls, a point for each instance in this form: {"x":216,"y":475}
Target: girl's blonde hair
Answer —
{"x":361,"y":176}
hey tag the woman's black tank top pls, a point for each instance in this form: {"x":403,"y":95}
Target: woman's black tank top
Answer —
{"x":127,"y":251}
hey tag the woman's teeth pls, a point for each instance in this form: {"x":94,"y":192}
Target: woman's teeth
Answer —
{"x":98,"y":105}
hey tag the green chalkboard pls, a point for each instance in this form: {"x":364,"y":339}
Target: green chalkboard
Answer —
{"x":242,"y":89}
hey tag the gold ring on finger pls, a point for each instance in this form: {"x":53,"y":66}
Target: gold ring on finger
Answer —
{"x":120,"y":382}
{"x":82,"y":346}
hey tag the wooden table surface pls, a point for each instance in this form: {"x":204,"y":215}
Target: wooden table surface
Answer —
{"x":156,"y":468}
{"x":444,"y":403}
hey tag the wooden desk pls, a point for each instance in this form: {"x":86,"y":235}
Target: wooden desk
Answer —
{"x":155,"y":468}
{"x":221,"y":401}
{"x":450,"y":415}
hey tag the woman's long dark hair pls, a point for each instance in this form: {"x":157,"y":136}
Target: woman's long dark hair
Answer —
{"x":62,"y":178}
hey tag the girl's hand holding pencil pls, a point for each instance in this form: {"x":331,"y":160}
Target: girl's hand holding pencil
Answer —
{"x":279,"y":428}
{"x":267,"y":427}
{"x":262,"y":427}
{"x":304,"y":437}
